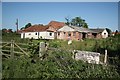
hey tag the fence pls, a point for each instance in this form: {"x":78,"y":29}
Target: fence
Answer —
{"x":9,"y":49}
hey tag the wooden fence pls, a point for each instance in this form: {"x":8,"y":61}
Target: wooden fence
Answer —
{"x":9,"y":49}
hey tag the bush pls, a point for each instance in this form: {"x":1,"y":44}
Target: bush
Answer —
{"x":58,"y":64}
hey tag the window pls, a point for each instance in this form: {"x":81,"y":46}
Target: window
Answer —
{"x":35,"y":33}
{"x":58,"y":33}
{"x":50,"y":34}
{"x":74,"y":33}
{"x":64,"y":33}
{"x":69,"y":34}
{"x":104,"y":33}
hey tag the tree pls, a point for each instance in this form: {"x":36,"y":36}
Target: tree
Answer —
{"x":22,"y":28}
{"x":116,"y":32}
{"x":85,"y":25}
{"x":73,"y":22}
{"x":10,"y":31}
{"x":77,"y":21}
{"x":28,"y":25}
{"x":109,"y":31}
{"x":68,"y":21}
{"x":3,"y":30}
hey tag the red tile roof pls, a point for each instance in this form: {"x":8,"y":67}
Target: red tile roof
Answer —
{"x":36,"y":28}
{"x":8,"y":31}
{"x":56,"y":24}
{"x":115,"y":33}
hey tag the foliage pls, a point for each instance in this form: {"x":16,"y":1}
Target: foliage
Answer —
{"x":68,"y":21}
{"x":77,"y":21}
{"x":58,"y":64}
{"x":85,"y":25}
{"x":109,"y":31}
{"x":7,"y":37}
{"x":26,"y":26}
{"x":4,"y":30}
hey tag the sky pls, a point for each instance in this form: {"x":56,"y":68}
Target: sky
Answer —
{"x":119,"y":16}
{"x":60,"y":0}
{"x":0,"y":15}
{"x":96,"y":14}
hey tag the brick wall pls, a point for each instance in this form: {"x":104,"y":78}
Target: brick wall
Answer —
{"x":69,"y":35}
{"x":77,"y":35}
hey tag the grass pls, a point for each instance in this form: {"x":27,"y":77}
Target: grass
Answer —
{"x":87,"y":44}
{"x":57,"y":62}
{"x":7,"y":37}
{"x":96,"y":45}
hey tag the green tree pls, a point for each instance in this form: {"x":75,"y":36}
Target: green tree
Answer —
{"x":10,"y":30}
{"x":116,"y":32}
{"x":68,"y":21}
{"x":109,"y":31}
{"x":28,"y":25}
{"x":22,"y":28}
{"x":77,"y":21}
{"x":73,"y":22}
{"x":85,"y":25}
{"x":4,"y":29}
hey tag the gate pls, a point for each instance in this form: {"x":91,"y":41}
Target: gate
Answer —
{"x":10,"y":49}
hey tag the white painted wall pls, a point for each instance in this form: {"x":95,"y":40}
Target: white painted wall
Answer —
{"x":37,"y":35}
{"x":22,"y":35}
{"x":104,"y":34}
{"x":46,"y":35}
{"x":29,"y":35}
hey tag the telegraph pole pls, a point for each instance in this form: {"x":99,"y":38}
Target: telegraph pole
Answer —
{"x":17,"y":25}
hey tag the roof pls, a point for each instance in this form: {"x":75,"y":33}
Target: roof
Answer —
{"x":66,"y":28}
{"x":98,"y":30}
{"x":115,"y":33}
{"x":35,"y":28}
{"x":56,"y":25}
{"x":81,"y":29}
{"x":20,"y":31}
{"x":75,"y":28}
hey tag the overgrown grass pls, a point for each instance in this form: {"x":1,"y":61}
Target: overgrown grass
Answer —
{"x":58,"y":64}
{"x":112,"y":44}
{"x":49,"y":66}
{"x":7,"y":37}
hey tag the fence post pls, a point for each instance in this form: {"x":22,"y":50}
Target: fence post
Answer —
{"x":105,"y":59}
{"x":12,"y":59}
{"x":40,"y":50}
{"x":12,"y":49}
